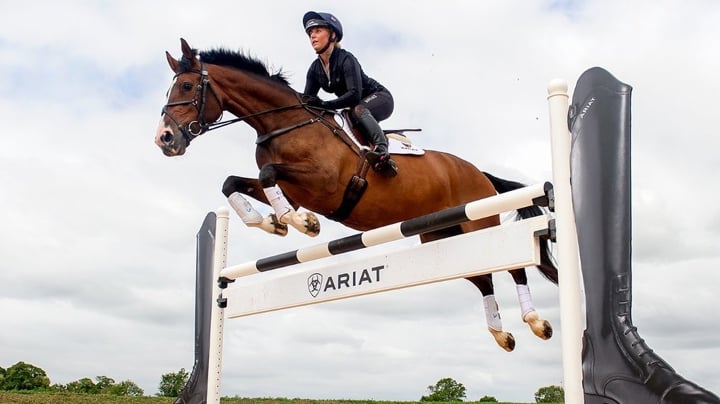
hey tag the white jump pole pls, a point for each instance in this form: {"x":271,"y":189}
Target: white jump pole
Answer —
{"x":479,"y":209}
{"x":567,"y":247}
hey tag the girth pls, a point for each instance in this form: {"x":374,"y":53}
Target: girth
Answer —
{"x":353,"y":191}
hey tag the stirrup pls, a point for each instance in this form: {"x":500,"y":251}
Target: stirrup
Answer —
{"x":382,"y":163}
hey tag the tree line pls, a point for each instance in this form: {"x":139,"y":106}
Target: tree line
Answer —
{"x":27,"y":377}
{"x":448,"y":390}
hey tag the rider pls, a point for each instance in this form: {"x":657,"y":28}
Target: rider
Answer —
{"x":338,"y":72}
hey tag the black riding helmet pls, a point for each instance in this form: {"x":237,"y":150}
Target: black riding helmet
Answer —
{"x":313,"y":19}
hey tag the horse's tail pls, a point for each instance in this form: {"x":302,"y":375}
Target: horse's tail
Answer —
{"x":547,"y":265}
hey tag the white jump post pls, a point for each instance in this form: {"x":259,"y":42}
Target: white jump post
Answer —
{"x":512,"y":245}
{"x":566,"y":240}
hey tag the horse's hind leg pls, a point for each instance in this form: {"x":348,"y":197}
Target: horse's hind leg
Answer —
{"x":483,"y":282}
{"x":539,"y":326}
{"x":492,"y":314}
{"x":232,"y":189}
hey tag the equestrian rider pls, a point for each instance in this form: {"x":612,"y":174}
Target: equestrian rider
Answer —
{"x":338,"y":72}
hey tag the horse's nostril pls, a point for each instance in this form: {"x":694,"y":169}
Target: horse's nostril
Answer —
{"x":166,"y":137}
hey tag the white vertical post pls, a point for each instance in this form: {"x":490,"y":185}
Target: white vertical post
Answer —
{"x":566,"y":237}
{"x":218,"y":315}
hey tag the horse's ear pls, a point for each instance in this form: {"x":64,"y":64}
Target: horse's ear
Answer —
{"x":172,"y":61}
{"x":186,"y":50}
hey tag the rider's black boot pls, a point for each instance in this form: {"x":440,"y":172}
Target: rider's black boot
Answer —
{"x":618,"y":366}
{"x":379,"y":158}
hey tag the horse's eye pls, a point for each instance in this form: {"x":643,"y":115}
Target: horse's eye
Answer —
{"x":187,"y":86}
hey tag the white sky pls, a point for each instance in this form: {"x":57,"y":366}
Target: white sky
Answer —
{"x":97,"y":227}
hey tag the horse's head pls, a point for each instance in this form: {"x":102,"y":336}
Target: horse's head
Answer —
{"x":192,"y":104}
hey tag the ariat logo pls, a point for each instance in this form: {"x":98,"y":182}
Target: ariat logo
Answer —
{"x":586,"y":108}
{"x":317,"y":283}
{"x":314,"y":282}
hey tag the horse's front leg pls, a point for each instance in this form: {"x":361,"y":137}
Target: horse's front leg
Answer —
{"x":539,"y":326}
{"x":233,"y":188}
{"x":305,"y":222}
{"x":492,"y":313}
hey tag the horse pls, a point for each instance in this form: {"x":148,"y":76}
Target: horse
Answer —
{"x":306,"y":160}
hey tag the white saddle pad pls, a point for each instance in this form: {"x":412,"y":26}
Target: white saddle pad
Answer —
{"x":400,"y":144}
{"x":397,"y":143}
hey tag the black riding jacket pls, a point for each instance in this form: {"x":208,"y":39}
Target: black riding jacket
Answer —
{"x":347,"y":80}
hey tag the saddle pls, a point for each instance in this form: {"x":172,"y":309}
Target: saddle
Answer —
{"x":398,"y":141}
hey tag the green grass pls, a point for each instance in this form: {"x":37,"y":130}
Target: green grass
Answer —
{"x":67,"y":398}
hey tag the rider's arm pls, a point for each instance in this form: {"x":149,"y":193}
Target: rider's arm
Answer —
{"x":312,"y":85}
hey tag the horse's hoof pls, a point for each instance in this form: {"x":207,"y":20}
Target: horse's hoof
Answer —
{"x":306,"y":223}
{"x":547,"y":331}
{"x":539,"y":327}
{"x":504,"y":339}
{"x":312,"y":225}
{"x":278,"y":227}
{"x":509,"y":343}
{"x":281,"y":231}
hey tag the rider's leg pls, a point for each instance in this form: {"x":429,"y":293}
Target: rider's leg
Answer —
{"x":379,"y":156}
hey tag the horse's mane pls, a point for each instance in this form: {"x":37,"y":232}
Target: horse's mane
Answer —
{"x":240,"y":61}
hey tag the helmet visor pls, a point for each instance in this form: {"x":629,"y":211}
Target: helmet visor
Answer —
{"x":315,"y":23}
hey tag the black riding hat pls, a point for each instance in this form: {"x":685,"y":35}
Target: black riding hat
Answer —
{"x":313,"y":19}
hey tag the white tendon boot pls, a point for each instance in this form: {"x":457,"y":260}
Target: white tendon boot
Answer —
{"x":492,"y":314}
{"x":244,"y":209}
{"x":526,"y":304}
{"x":305,"y":222}
{"x":253,"y":218}
{"x":283,"y":210}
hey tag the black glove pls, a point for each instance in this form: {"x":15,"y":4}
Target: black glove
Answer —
{"x":314,"y":101}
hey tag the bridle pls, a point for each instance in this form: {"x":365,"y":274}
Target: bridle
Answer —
{"x":198,"y":127}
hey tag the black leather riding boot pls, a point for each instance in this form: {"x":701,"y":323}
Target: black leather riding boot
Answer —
{"x":379,"y":157}
{"x":618,"y":366}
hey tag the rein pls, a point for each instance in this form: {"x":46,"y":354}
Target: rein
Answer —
{"x":317,"y":118}
{"x":198,"y":127}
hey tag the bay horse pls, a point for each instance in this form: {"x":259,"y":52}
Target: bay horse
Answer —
{"x":306,"y":160}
